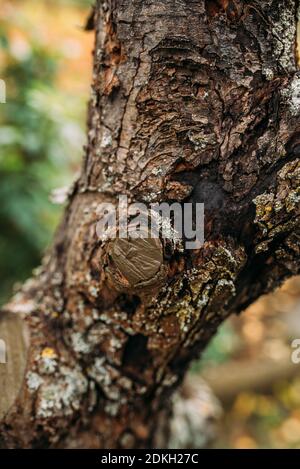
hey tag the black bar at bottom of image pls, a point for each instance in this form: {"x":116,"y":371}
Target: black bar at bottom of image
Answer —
{"x":135,"y":458}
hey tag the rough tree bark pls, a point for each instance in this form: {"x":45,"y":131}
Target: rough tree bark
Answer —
{"x":192,"y":100}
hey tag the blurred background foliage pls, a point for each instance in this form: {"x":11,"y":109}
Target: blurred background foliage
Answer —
{"x":45,"y":59}
{"x":46,"y":63}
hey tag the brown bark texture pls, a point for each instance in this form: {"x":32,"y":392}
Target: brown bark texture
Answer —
{"x":192,"y":101}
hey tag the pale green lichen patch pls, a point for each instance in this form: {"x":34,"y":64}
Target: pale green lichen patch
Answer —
{"x":62,"y":397}
{"x":284,"y":33}
{"x":268,"y":73}
{"x":34,"y":381}
{"x":213,"y":279}
{"x":278,"y":212}
{"x":114,"y":386}
{"x":79,"y":344}
{"x":201,"y":140}
{"x":291,"y":95}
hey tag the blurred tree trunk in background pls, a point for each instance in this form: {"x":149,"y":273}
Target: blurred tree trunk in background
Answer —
{"x":192,"y":101}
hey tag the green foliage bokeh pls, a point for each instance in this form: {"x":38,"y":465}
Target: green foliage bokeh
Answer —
{"x":41,"y":138}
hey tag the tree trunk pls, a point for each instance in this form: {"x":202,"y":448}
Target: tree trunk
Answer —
{"x":192,"y":101}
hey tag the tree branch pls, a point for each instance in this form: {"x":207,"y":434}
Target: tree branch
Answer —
{"x":191,"y":102}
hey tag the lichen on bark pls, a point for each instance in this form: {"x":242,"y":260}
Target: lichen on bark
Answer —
{"x":191,"y":102}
